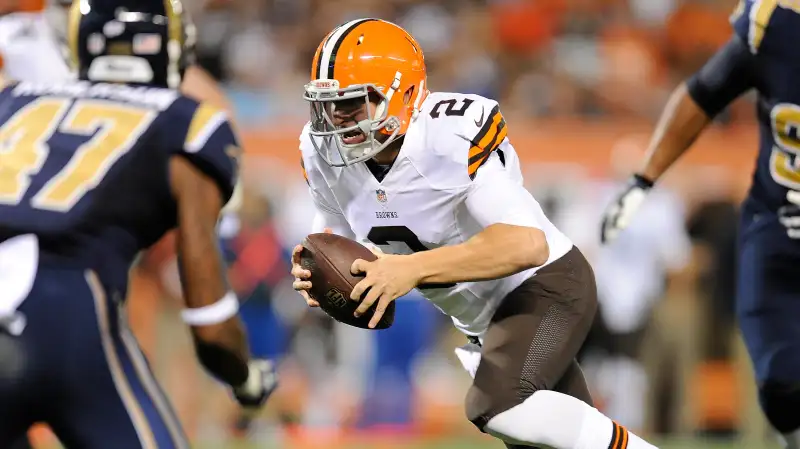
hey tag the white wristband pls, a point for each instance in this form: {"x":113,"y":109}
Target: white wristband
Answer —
{"x":216,"y":313}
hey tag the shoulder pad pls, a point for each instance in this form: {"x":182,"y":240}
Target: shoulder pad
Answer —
{"x":753,"y":19}
{"x":318,"y":174}
{"x":461,"y":131}
{"x":210,"y":142}
{"x":314,"y":169}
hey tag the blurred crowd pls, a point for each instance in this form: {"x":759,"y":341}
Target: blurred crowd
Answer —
{"x":540,"y":57}
{"x":663,"y":357}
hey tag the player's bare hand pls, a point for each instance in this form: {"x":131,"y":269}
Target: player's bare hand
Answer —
{"x":386,"y":279}
{"x":301,"y":283}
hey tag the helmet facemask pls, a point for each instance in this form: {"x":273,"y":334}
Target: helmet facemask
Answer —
{"x":344,"y":146}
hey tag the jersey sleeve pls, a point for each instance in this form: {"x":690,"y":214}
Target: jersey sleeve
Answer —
{"x":487,"y":140}
{"x":212,"y":145}
{"x":328,"y":214}
{"x":497,"y":195}
{"x":727,"y":75}
{"x":751,"y":21}
{"x":462,"y":133}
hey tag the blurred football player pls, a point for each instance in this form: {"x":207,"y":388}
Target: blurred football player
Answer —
{"x":760,"y":55}
{"x":432,"y":180}
{"x":30,"y":48}
{"x":24,"y":31}
{"x":91,"y":173}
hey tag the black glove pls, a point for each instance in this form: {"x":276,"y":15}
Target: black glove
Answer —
{"x":262,"y":379}
{"x":618,"y":214}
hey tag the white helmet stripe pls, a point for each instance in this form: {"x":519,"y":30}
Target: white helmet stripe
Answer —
{"x":331,"y":46}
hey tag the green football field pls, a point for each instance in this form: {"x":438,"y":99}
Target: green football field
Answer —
{"x":489,"y":444}
{"x":483,"y":443}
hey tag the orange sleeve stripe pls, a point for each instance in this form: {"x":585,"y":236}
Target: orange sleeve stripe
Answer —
{"x":624,"y":444}
{"x":486,"y":133}
{"x":614,"y":435}
{"x":479,"y":152}
{"x":619,"y":437}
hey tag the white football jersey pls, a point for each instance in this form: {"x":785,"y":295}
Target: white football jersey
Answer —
{"x":455,"y":175}
{"x":31,"y":50}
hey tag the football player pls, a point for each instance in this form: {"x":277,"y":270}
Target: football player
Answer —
{"x":30,"y":49}
{"x":432,"y":180}
{"x":760,"y":55}
{"x":91,"y":173}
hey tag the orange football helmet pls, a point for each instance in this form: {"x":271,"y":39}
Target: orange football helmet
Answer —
{"x":370,"y":60}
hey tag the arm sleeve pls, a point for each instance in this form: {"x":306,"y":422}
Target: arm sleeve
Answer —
{"x":495,"y":196}
{"x":728,"y":74}
{"x":327,"y":216}
{"x":212,"y":145}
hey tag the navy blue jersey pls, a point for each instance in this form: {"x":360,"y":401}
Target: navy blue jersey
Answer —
{"x":85,"y":167}
{"x":771,"y":31}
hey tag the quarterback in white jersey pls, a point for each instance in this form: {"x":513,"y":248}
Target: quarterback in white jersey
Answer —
{"x":432,"y":180}
{"x":428,"y":199}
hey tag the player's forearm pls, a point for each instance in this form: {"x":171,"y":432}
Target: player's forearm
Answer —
{"x":221,"y":346}
{"x":498,"y":251}
{"x":222,"y":350}
{"x":679,"y":125}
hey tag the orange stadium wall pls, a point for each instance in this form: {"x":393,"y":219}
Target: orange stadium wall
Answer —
{"x":588,"y":144}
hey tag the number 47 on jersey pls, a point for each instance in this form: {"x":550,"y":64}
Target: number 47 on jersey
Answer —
{"x":111,"y":128}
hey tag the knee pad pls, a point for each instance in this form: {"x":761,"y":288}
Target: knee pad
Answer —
{"x":780,"y":402}
{"x":545,"y":418}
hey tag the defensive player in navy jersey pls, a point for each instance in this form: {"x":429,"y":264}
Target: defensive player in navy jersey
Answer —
{"x":91,"y":173}
{"x":763,"y":55}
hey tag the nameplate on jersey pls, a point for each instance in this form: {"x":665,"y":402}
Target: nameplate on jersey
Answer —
{"x":152,"y":97}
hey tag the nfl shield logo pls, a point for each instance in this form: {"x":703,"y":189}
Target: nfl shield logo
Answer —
{"x":381,"y":194}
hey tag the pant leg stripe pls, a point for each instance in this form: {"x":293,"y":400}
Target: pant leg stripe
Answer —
{"x":150,"y":383}
{"x":138,"y":419}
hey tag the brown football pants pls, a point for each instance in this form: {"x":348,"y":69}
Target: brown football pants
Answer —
{"x":533,"y":339}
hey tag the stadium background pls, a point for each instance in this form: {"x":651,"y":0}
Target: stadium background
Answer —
{"x":580,"y":83}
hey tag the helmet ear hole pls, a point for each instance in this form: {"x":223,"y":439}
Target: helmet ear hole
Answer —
{"x":374,"y":97}
{"x":408,"y":94}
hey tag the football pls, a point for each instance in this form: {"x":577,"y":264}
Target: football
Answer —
{"x":328,"y":257}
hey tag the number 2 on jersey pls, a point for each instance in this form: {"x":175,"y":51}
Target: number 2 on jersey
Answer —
{"x":113,"y":128}
{"x":451,"y":110}
{"x":384,"y":235}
